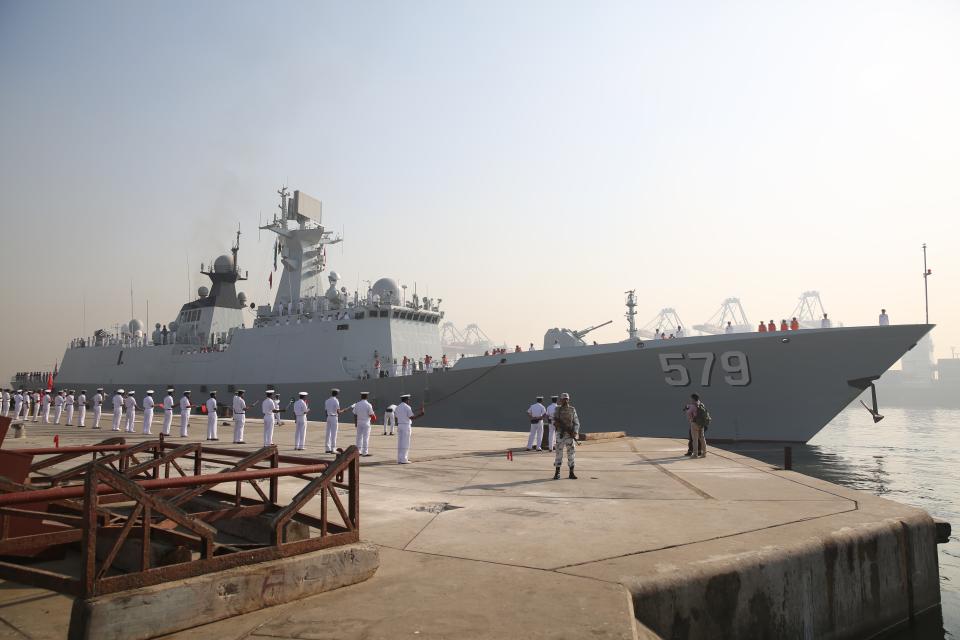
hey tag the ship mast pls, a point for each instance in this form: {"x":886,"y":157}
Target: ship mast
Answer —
{"x":631,"y":314}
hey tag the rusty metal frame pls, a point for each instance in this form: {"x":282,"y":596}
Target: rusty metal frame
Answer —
{"x":160,"y":509}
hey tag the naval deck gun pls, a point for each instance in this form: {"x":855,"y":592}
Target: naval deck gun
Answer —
{"x":558,"y":337}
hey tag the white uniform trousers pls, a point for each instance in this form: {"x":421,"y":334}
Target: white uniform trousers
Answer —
{"x":184,"y":423}
{"x":167,"y":421}
{"x":363,"y":437}
{"x":403,"y":442}
{"x":552,"y":438}
{"x":238,"y":421}
{"x":36,"y":412}
{"x":56,"y":418}
{"x":147,"y":421}
{"x":211,"y":426}
{"x":96,"y":416}
{"x":536,"y":435}
{"x":82,"y":418}
{"x":46,"y":415}
{"x":117,"y":417}
{"x":389,"y":420}
{"x":300,"y":433}
{"x":331,"y":439}
{"x":130,"y":425}
{"x":69,"y":415}
{"x":16,"y":410}
{"x":3,"y":408}
{"x":268,"y":429}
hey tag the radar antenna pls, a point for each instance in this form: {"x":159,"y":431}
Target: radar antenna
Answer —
{"x":631,"y":314}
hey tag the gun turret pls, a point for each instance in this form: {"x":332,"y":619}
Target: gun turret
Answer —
{"x":557,"y":337}
{"x":579,"y":334}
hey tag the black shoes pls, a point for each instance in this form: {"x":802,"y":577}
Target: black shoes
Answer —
{"x":556,"y":474}
{"x":572,"y":476}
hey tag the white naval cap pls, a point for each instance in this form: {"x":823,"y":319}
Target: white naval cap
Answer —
{"x":119,"y":390}
{"x":99,"y":388}
{"x":170,"y":390}
{"x":186,"y":392}
{"x":240,"y":392}
{"x":405,"y":396}
{"x":539,"y":398}
{"x":149,"y":392}
{"x":364,"y":394}
{"x":334,"y":390}
{"x":131,"y":392}
{"x":214,"y":392}
{"x":303,"y":394}
{"x":270,"y":391}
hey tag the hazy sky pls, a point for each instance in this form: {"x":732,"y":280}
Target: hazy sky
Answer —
{"x":527,"y":162}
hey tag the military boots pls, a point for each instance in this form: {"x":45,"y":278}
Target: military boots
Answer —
{"x":571,"y":476}
{"x":556,"y":474}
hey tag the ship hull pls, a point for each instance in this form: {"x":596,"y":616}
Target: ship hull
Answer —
{"x":795,"y":382}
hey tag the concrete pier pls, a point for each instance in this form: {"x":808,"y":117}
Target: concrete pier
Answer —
{"x":647,"y":543}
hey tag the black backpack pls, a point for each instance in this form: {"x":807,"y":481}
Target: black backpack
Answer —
{"x":702,"y":417}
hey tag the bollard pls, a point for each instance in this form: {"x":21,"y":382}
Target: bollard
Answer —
{"x":787,"y":458}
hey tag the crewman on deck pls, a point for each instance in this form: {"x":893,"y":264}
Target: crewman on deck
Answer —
{"x":82,"y":407}
{"x":167,"y":412}
{"x":117,"y":409}
{"x":185,"y":407}
{"x":825,"y":323}
{"x":405,"y":418}
{"x":148,"y":413}
{"x":45,"y":407}
{"x":389,"y":418}
{"x":212,"y":416}
{"x":69,"y":401}
{"x":568,"y":430}
{"x":239,"y":416}
{"x":772,"y":327}
{"x":783,"y":325}
{"x":57,"y":407}
{"x":36,"y":405}
{"x":536,"y":413}
{"x":17,"y":403}
{"x":729,"y":327}
{"x":97,"y":407}
{"x":794,"y":325}
{"x":551,"y":424}
{"x":332,"y":406}
{"x":4,"y":402}
{"x":762,"y":328}
{"x":884,"y":318}
{"x":363,"y":410}
{"x":130,"y":407}
{"x":300,"y":411}
{"x":269,"y":407}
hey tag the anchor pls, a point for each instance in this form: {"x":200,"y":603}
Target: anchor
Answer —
{"x":863,"y":384}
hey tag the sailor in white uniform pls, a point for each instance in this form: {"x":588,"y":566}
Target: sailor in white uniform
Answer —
{"x":389,"y":418}
{"x":269,"y":408}
{"x":130,"y":406}
{"x":884,"y":318}
{"x":36,"y":406}
{"x":552,"y":411}
{"x":68,"y":402}
{"x":185,"y":406}
{"x":148,"y":413}
{"x":239,"y":416}
{"x":117,"y":409}
{"x":300,"y":410}
{"x":405,"y":418}
{"x":45,"y":407}
{"x":17,"y":403}
{"x":365,"y":415}
{"x":57,"y":407}
{"x":212,"y":416}
{"x":167,"y":412}
{"x":5,"y":402}
{"x":825,"y":323}
{"x":536,"y":413}
{"x":82,"y":407}
{"x":332,"y":406}
{"x":97,"y":407}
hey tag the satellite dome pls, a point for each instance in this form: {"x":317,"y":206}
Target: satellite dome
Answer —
{"x":135,"y":325}
{"x":223,"y":264}
{"x":242,"y":297}
{"x":203,"y":292}
{"x":172,"y":325}
{"x":387,"y":289}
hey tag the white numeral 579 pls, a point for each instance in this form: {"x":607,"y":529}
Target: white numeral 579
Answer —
{"x":734,"y":364}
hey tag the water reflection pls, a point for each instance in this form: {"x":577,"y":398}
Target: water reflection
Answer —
{"x":909,"y":457}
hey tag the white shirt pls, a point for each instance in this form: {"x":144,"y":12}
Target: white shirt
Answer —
{"x":212,"y":407}
{"x":117,"y":402}
{"x":391,"y":408}
{"x":82,"y":399}
{"x":148,"y":402}
{"x":98,"y":399}
{"x":825,"y":323}
{"x":57,"y":401}
{"x":168,"y":403}
{"x":268,"y":406}
{"x":679,"y":333}
{"x":363,"y":410}
{"x":537,"y":410}
{"x":300,"y":407}
{"x":332,"y":406}
{"x":185,"y":404}
{"x":404,"y":414}
{"x":69,"y":399}
{"x":729,"y":329}
{"x":552,"y":410}
{"x":239,"y":405}
{"x":884,"y":320}
{"x":46,"y":400}
{"x":130,"y":403}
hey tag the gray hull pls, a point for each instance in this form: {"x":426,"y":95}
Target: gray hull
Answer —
{"x":786,"y":387}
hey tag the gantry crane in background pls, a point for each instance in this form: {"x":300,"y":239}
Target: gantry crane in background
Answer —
{"x":730,"y":311}
{"x":667,"y":321}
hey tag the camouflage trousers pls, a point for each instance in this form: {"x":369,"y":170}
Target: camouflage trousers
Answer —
{"x":571,"y":446}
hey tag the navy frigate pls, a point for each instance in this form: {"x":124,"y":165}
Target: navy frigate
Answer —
{"x":778,"y":386}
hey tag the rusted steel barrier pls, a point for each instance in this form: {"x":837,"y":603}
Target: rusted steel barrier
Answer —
{"x":126,"y":511}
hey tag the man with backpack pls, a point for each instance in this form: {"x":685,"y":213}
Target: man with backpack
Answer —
{"x":699,"y":419}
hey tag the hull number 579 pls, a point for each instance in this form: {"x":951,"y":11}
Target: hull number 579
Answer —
{"x":679,"y":367}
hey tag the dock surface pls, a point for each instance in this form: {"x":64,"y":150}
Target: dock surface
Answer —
{"x":474,"y":545}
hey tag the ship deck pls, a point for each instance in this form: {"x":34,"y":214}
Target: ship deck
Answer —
{"x":475,"y":545}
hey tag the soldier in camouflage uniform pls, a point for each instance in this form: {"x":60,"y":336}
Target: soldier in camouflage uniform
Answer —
{"x":568,"y":428}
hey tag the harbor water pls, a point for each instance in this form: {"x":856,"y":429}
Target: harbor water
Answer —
{"x":912,"y":457}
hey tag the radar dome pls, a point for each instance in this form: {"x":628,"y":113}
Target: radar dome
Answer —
{"x":223,"y":264}
{"x":203,"y":292}
{"x":172,"y":325}
{"x":242,"y":297}
{"x":135,"y":325}
{"x":387,"y":289}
